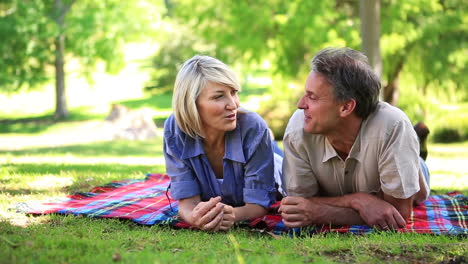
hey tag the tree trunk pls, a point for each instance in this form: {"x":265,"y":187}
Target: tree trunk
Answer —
{"x":369,"y":11}
{"x":391,"y":91}
{"x":61,"y":110}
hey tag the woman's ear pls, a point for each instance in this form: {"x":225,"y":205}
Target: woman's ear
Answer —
{"x":347,"y":107}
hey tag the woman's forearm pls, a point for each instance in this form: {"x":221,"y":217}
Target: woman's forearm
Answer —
{"x":249,"y":211}
{"x":186,"y":207}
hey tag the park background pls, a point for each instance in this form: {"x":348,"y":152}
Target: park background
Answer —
{"x":64,"y":63}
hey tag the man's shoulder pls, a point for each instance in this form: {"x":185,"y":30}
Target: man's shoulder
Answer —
{"x":386,"y":117}
{"x":295,"y":130}
{"x":295,"y":124}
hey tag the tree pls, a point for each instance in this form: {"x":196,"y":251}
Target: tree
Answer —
{"x":424,"y":40}
{"x":42,"y":34}
{"x":369,"y":11}
{"x":287,"y":33}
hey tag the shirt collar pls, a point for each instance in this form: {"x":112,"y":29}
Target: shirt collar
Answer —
{"x":233,"y":143}
{"x":192,"y":147}
{"x":329,"y":151}
{"x":234,"y":147}
{"x":355,"y":152}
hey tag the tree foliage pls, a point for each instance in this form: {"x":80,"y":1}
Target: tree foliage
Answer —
{"x":287,"y":33}
{"x":92,"y":31}
{"x":424,"y":41}
{"x":423,"y":38}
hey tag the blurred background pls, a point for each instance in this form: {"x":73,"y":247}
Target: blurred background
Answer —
{"x":65,"y":62}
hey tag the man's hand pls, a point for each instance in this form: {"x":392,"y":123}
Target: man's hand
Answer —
{"x":229,"y":218}
{"x":297,"y":211}
{"x":208,"y":215}
{"x":377,"y":212}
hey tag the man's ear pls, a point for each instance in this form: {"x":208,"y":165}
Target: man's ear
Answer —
{"x":347,"y":107}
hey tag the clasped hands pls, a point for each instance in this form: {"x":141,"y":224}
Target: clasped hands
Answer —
{"x":212,"y":215}
{"x":374,"y":211}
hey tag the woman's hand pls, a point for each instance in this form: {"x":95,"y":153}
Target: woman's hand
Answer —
{"x":229,"y":218}
{"x":208,"y":215}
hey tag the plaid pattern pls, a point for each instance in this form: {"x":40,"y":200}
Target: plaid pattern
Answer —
{"x":147,"y":202}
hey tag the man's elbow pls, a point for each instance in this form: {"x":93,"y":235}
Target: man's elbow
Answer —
{"x":404,"y":206}
{"x":406,"y":212}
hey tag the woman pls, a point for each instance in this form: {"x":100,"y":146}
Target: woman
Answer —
{"x":219,"y":157}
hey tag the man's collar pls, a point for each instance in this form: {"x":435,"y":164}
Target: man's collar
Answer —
{"x":355,"y":152}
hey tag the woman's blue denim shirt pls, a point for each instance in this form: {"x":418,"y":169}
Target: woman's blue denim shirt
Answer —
{"x":248,"y":164}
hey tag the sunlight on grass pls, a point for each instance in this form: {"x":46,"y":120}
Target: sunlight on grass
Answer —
{"x":448,"y":165}
{"x":70,"y":159}
{"x":105,"y":89}
{"x":46,"y":181}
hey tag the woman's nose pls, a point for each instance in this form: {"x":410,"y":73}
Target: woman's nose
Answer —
{"x":233,"y":103}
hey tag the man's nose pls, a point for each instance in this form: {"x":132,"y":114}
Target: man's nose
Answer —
{"x":301,"y":104}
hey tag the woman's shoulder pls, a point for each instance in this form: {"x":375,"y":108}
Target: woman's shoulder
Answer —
{"x":174,"y":137}
{"x":249,"y":120}
{"x":170,"y":126}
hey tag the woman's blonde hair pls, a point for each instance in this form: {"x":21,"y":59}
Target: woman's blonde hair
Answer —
{"x":192,"y":78}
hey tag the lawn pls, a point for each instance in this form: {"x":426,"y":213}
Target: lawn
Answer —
{"x":55,"y":159}
{"x":41,"y":159}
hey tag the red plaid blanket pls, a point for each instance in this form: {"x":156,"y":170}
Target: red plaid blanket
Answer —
{"x":147,"y":202}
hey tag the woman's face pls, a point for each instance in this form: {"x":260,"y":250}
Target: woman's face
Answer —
{"x":217,"y":105}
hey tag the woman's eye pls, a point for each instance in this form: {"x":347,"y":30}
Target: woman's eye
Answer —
{"x":234,"y":92}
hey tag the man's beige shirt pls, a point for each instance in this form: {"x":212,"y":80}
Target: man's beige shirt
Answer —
{"x":384,"y":157}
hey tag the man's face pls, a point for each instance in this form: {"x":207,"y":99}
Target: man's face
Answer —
{"x":321,"y":111}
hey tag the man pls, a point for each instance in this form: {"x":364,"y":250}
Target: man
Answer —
{"x":349,"y":159}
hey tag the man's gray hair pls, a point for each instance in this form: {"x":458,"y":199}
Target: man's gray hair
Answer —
{"x":351,"y":77}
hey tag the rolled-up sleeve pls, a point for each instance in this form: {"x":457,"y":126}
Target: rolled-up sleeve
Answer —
{"x":299,"y":179}
{"x":399,"y":162}
{"x":183,"y":181}
{"x":259,"y":185}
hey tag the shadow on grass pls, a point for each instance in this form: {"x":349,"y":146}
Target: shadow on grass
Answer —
{"x":82,"y":170}
{"x":83,"y":176}
{"x":40,"y":123}
{"x":119,"y":148}
{"x":25,"y":191}
{"x":438,"y":191}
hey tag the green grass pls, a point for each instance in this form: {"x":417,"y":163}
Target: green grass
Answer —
{"x":41,"y":159}
{"x":39,"y":173}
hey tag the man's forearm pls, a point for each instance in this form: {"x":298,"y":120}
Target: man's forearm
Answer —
{"x":299,"y":211}
{"x":332,"y":210}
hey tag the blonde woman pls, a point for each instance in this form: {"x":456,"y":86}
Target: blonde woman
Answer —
{"x":219,"y":157}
